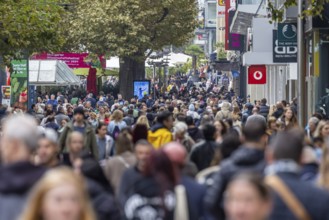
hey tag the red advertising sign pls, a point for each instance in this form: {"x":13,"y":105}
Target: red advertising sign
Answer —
{"x":257,"y":74}
{"x":73,"y":60}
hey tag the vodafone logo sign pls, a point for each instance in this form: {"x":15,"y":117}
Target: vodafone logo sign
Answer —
{"x":257,"y":74}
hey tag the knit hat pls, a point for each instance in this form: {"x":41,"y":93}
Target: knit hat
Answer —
{"x":191,"y":107}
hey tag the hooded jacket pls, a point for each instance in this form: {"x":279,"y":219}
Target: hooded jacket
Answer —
{"x":243,"y":159}
{"x":89,"y":135}
{"x":159,"y":135}
{"x":16,"y":180}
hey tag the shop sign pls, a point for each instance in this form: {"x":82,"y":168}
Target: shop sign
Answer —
{"x":284,"y":51}
{"x":18,"y":81}
{"x":257,"y":74}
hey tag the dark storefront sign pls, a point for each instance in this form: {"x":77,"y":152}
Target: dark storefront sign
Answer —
{"x":284,"y":51}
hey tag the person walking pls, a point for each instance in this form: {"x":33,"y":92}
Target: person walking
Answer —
{"x":60,"y":194}
{"x":79,"y":124}
{"x":160,"y":133}
{"x":263,"y":108}
{"x":247,"y":195}
{"x":203,"y":153}
{"x":181,"y":136}
{"x":17,"y":174}
{"x":293,"y":198}
{"x":116,"y":124}
{"x":123,"y":159}
{"x":250,"y":156}
{"x":134,"y":174}
{"x":105,"y":143}
{"x":153,"y":196}
{"x":48,"y":150}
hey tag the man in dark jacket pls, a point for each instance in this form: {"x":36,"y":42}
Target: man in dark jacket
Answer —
{"x":194,"y":132}
{"x":134,"y":174}
{"x":80,"y":125}
{"x":285,"y":154}
{"x":249,"y":157}
{"x":203,"y":153}
{"x":17,"y":175}
{"x":263,"y":108}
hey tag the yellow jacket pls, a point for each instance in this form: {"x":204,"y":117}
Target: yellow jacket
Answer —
{"x":158,"y":136}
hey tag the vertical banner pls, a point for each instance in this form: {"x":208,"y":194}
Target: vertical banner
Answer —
{"x":232,"y":41}
{"x":316,"y":53}
{"x":6,"y":94}
{"x":18,"y":80}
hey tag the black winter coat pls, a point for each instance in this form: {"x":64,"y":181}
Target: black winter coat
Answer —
{"x":16,"y":180}
{"x":203,"y":153}
{"x":264,"y":110}
{"x":195,"y":133}
{"x":103,"y":201}
{"x":243,"y":159}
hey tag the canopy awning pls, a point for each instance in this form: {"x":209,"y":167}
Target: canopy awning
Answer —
{"x":51,"y":73}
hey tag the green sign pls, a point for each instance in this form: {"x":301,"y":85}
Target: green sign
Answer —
{"x":18,"y":81}
{"x":287,"y":32}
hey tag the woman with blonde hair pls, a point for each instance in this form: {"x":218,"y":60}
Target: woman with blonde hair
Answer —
{"x":116,"y":124}
{"x":272,"y":126}
{"x":322,"y":130}
{"x":60,"y":194}
{"x":142,"y":120}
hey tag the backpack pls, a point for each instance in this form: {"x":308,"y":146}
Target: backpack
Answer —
{"x":115,"y":132}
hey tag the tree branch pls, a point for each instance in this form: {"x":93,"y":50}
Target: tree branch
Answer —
{"x":164,"y":15}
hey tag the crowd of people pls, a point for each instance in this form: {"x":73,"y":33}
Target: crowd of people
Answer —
{"x":195,"y":154}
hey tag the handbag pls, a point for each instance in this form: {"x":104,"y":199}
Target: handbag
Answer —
{"x":181,"y":209}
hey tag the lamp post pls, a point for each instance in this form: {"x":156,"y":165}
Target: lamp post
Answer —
{"x":301,"y":66}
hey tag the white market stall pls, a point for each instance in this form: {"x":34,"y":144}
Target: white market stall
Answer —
{"x":51,"y":73}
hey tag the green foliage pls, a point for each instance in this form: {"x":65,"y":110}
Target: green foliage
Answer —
{"x":313,"y":8}
{"x":194,"y":50}
{"x":32,"y":26}
{"x":129,"y":28}
{"x":221,"y":53}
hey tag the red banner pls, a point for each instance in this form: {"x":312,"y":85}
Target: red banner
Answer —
{"x":73,"y":60}
{"x":257,"y":74}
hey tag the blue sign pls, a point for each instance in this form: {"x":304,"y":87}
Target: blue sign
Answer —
{"x":141,"y":88}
